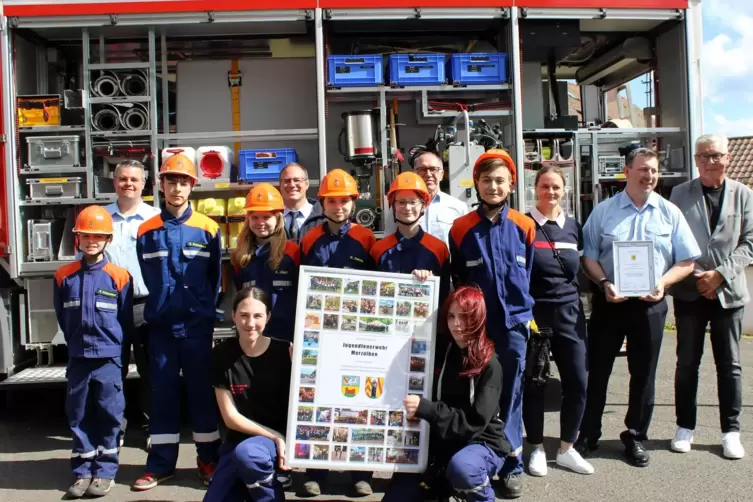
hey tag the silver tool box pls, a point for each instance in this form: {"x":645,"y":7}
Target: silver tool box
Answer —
{"x":611,"y":164}
{"x":51,"y":152}
{"x":54,"y":188}
{"x":44,"y":238}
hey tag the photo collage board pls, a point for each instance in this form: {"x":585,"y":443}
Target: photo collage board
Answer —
{"x":363,"y":342}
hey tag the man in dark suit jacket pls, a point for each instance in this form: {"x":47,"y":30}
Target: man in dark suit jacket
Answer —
{"x":720,"y":214}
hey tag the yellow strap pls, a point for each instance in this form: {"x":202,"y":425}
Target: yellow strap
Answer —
{"x":235,"y":96}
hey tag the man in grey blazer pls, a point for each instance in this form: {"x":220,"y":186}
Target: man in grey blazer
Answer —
{"x":720,"y":214}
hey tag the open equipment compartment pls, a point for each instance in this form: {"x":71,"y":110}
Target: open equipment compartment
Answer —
{"x":201,"y":75}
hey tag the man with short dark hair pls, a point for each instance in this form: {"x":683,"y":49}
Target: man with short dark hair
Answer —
{"x":301,"y":214}
{"x":720,"y":214}
{"x":443,"y":209}
{"x":636,"y":214}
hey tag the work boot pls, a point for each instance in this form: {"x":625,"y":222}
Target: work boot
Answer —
{"x":362,"y":488}
{"x":77,"y":489}
{"x":206,"y":470}
{"x":512,"y":486}
{"x":311,"y":488}
{"x":149,"y":480}
{"x":100,"y":487}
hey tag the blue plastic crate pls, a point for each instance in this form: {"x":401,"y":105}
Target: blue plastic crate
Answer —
{"x":264,"y":165}
{"x":478,"y":68}
{"x":417,"y":69}
{"x":354,"y":71}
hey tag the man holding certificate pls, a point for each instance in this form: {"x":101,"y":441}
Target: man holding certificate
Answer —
{"x":636,"y":244}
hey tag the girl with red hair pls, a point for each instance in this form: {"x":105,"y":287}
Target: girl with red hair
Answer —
{"x":467,"y":441}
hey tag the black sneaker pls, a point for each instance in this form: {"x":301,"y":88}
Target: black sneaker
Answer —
{"x":512,"y":486}
{"x":584,"y":446}
{"x":635,"y":452}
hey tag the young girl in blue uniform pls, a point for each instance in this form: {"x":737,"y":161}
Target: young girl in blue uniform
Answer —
{"x":93,"y":302}
{"x":493,"y":248}
{"x":559,"y":316}
{"x":467,"y":443}
{"x":338,"y":243}
{"x":265,"y":258}
{"x":410,"y":249}
{"x":251,"y":379}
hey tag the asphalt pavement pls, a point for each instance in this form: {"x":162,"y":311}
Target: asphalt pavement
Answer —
{"x":35,"y":450}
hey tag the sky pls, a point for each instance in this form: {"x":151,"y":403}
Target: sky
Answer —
{"x":727,"y":67}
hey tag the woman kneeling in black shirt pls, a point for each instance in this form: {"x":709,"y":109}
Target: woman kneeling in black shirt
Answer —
{"x":251,"y":377}
{"x":467,"y":444}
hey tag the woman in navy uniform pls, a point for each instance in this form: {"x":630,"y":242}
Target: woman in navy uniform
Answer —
{"x":558,"y":313}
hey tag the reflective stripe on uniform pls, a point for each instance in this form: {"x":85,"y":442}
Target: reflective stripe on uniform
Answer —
{"x":88,"y":454}
{"x":106,"y":305}
{"x":71,"y":304}
{"x":156,"y":254}
{"x":206,"y":437}
{"x":517,"y":451}
{"x":165,"y":439}
{"x":249,"y":284}
{"x":195,"y":252}
{"x":474,"y":263}
{"x":280,"y":284}
{"x":261,"y":482}
{"x":474,"y":489}
{"x":111,"y":451}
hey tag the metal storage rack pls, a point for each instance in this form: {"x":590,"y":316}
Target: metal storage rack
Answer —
{"x":317,"y":20}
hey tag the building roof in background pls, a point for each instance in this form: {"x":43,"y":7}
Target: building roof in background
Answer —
{"x":741,"y":160}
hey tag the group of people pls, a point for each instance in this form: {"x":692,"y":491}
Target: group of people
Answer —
{"x":150,"y":278}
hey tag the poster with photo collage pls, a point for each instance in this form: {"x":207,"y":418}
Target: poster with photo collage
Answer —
{"x":363,"y":341}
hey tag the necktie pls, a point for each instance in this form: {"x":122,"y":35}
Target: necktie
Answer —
{"x":293,"y":227}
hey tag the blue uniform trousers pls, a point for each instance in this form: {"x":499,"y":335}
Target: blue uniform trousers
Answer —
{"x":168,"y":355}
{"x":568,"y":343}
{"x":94,"y":404}
{"x":246,"y":473}
{"x":470,"y":472}
{"x":511,"y":346}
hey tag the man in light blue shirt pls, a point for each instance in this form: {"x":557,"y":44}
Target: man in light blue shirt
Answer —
{"x":637,"y":213}
{"x":128,"y":213}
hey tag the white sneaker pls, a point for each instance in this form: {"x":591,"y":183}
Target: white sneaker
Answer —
{"x":572,"y":460}
{"x":732,"y":447}
{"x":537,"y":463}
{"x":682,"y":441}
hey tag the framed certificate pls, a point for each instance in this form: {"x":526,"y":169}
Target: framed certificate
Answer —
{"x":363,"y":341}
{"x":634,"y":271}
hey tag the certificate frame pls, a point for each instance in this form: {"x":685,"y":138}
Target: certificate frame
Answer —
{"x":638,"y":286}
{"x":360,"y":337}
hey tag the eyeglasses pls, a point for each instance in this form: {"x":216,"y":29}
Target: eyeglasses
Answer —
{"x":710,"y":156}
{"x":293,"y":181}
{"x":408,"y":203}
{"x":431,"y":169}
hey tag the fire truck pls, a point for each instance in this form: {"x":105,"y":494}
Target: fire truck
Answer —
{"x":246,"y":87}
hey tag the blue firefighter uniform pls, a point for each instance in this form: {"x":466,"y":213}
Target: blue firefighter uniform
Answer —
{"x":180,"y":261}
{"x":349,"y":248}
{"x":403,"y":255}
{"x":280,"y":284}
{"x":497,"y":256}
{"x":94,"y":308}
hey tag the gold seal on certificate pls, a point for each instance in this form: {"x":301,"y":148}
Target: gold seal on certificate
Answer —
{"x":634,"y":274}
